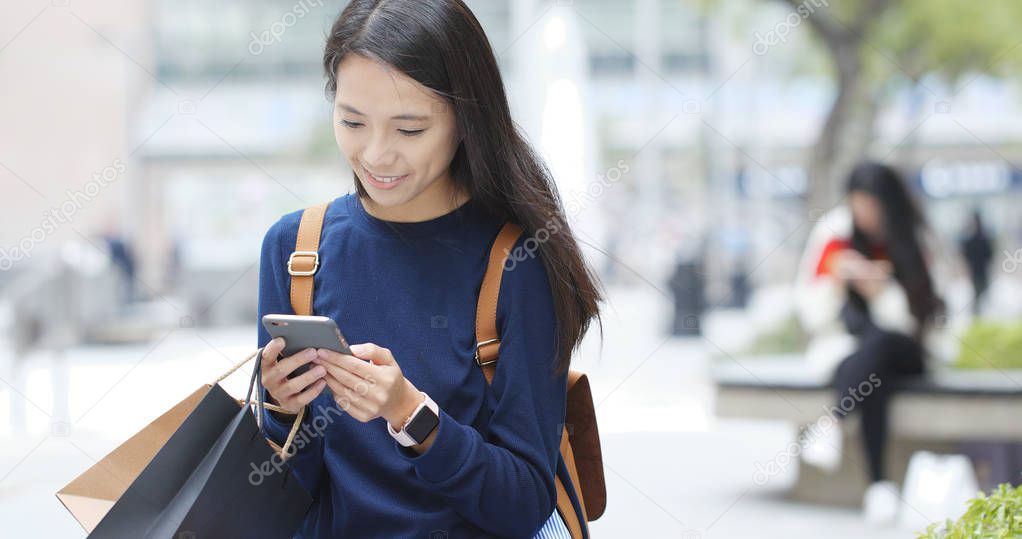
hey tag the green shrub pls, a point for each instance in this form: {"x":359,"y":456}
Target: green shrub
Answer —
{"x":988,"y":345}
{"x":786,"y":338}
{"x":998,"y":516}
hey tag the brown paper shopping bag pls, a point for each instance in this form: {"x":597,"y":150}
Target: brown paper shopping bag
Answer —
{"x":91,"y":495}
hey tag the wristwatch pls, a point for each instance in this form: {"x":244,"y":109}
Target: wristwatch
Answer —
{"x":419,"y":425}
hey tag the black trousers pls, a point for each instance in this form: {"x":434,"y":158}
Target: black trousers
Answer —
{"x":866,"y":380}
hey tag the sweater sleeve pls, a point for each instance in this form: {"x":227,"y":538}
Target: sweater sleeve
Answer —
{"x":275,"y":298}
{"x":504,"y":482}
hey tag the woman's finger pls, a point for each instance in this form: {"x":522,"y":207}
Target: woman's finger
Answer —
{"x":270,"y":353}
{"x":298,"y":383}
{"x":350,"y":380}
{"x":309,"y":394}
{"x":360,"y":367}
{"x":348,"y":401}
{"x":287,"y":365}
{"x":373,"y":353}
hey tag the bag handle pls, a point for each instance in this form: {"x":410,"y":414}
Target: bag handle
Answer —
{"x":487,"y":340}
{"x":256,"y":382}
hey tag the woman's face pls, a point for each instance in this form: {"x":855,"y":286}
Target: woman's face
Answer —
{"x":867,"y":214}
{"x":399,"y":138}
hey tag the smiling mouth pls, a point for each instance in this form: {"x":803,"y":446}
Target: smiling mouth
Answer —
{"x":382,"y":179}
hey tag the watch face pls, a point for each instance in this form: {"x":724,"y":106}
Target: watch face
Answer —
{"x":422,"y":424}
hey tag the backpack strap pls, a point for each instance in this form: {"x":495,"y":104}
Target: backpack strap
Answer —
{"x":487,"y":340}
{"x":487,"y":347}
{"x":304,"y":261}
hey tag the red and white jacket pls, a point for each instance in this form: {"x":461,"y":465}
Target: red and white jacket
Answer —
{"x":819,"y":296}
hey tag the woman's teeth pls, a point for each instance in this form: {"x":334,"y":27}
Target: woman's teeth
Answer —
{"x":383,"y":179}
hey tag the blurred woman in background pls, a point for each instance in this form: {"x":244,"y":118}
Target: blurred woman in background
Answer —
{"x":866,"y":293}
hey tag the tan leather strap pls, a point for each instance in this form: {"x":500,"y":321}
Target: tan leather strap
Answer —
{"x":304,"y":261}
{"x":569,"y":460}
{"x":302,"y":266}
{"x":564,"y":505}
{"x":487,"y":340}
{"x":487,"y":348}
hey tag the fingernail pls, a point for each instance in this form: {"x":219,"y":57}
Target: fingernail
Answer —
{"x":319,"y":371}
{"x":310,"y":353}
{"x":322,"y":354}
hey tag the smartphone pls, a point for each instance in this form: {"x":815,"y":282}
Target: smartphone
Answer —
{"x":301,"y":332}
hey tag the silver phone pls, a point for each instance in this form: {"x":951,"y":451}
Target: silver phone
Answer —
{"x":301,"y":332}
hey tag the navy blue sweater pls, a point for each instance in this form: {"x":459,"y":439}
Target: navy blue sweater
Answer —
{"x":412,"y":288}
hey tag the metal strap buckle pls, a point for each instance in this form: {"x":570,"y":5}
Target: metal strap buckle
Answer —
{"x":484,"y":343}
{"x":315,"y":262}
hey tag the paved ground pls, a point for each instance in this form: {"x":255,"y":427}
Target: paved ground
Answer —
{"x":672,"y":470}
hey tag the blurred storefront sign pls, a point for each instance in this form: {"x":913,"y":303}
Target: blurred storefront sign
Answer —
{"x":940,"y":178}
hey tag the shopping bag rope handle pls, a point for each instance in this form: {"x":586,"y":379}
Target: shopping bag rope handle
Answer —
{"x":284,"y":453}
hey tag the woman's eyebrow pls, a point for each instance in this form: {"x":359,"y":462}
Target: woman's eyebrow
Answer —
{"x":405,"y":116}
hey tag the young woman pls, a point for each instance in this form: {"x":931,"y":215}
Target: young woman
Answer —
{"x":866,"y":293}
{"x":421,"y":116}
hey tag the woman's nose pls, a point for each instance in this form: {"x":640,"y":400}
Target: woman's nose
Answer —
{"x":378,"y":153}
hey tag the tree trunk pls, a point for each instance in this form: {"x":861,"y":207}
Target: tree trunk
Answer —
{"x":846,"y":133}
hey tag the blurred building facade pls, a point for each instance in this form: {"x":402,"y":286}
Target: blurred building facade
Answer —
{"x":219,"y":116}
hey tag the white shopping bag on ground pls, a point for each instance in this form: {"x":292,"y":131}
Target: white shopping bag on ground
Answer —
{"x":937,"y":487}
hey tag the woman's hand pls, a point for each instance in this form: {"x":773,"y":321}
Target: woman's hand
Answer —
{"x":291,"y":394}
{"x":866,"y":276}
{"x":369,"y":384}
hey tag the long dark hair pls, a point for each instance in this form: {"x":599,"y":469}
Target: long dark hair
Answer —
{"x":903,"y":224}
{"x":440,"y":44}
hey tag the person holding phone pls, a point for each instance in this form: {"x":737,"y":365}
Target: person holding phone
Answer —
{"x":414,"y":441}
{"x":867,"y":292}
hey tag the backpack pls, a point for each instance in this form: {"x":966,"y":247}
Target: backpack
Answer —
{"x":580,"y":438}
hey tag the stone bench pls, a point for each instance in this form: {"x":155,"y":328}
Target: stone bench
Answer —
{"x":934,"y":412}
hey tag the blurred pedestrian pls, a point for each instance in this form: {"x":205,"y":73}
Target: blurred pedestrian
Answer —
{"x":866,"y":294}
{"x":978,"y":250}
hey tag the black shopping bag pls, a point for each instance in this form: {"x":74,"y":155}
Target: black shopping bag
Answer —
{"x":215,"y":477}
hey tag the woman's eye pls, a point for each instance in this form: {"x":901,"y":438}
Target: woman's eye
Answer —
{"x":352,"y":125}
{"x":410,"y":132}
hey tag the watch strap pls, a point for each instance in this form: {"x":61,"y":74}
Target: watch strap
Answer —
{"x":402,"y":436}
